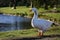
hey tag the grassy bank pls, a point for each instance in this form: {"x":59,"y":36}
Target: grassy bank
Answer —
{"x":19,"y":33}
{"x":18,"y":9}
{"x":10,"y":10}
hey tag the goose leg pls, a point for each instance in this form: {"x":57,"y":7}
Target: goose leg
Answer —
{"x":40,"y":33}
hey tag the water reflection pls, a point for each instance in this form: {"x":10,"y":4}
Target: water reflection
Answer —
{"x":8,"y":22}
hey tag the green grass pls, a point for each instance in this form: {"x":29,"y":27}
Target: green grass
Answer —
{"x":19,"y":9}
{"x":10,"y":10}
{"x":54,"y":15}
{"x":53,"y":31}
{"x":58,"y":8}
{"x":18,"y":33}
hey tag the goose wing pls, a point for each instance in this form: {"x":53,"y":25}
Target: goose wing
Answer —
{"x":42,"y":24}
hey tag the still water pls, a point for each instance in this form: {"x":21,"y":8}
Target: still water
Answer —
{"x":9,"y":22}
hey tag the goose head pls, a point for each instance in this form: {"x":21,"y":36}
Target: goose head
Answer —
{"x":34,"y":10}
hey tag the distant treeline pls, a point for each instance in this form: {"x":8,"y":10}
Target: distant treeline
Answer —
{"x":4,"y":3}
{"x":51,"y":3}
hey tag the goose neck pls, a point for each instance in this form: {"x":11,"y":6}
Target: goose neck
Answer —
{"x":35,"y":15}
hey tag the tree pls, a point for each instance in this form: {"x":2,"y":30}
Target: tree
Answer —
{"x":34,"y":3}
{"x":46,"y":4}
{"x":14,"y":4}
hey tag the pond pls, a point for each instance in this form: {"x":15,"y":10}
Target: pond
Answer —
{"x":10,"y":22}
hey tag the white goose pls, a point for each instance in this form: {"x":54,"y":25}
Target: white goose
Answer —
{"x":40,"y":24}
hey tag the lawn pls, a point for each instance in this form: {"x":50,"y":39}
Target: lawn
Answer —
{"x":19,"y":9}
{"x":10,"y":10}
{"x":54,"y":15}
{"x":18,"y":33}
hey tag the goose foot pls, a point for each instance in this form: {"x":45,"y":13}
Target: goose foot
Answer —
{"x":40,"y":33}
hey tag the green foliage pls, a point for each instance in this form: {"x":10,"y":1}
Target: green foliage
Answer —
{"x":36,"y":3}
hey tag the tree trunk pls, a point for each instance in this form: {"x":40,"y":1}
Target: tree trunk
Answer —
{"x":14,"y":4}
{"x":46,"y":7}
{"x":46,"y":4}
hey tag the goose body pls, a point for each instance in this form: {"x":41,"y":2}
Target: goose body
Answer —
{"x":40,"y":24}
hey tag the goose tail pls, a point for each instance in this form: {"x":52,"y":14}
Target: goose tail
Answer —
{"x":56,"y":24}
